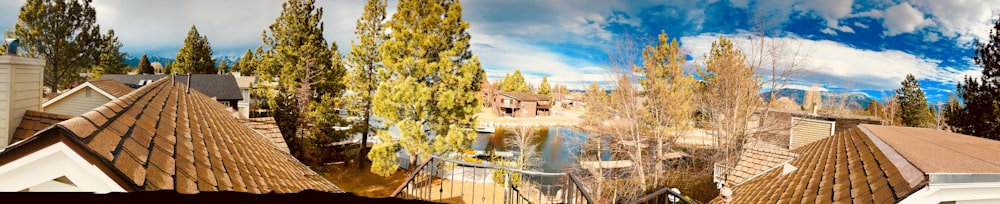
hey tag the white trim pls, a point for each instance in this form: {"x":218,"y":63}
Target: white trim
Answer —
{"x":54,"y":161}
{"x":960,"y":193}
{"x":74,"y":90}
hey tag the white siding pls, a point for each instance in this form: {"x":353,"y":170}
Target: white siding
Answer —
{"x":20,"y":90}
{"x":805,"y":131}
{"x":78,"y":102}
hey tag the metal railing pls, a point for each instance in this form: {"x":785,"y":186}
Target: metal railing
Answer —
{"x":445,"y":180}
{"x":665,"y":195}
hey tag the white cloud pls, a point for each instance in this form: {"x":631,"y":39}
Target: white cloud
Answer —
{"x":860,"y":25}
{"x":831,"y":12}
{"x":841,"y":65}
{"x":965,"y":19}
{"x":829,"y":31}
{"x":903,"y":18}
{"x":502,"y":55}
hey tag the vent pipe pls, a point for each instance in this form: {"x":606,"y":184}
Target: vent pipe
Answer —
{"x":189,"y":83}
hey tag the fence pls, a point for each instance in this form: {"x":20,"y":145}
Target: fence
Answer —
{"x":445,"y":180}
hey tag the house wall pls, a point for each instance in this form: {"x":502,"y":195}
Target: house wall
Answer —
{"x":20,"y":90}
{"x":35,"y":171}
{"x":78,"y":103}
{"x":244,"y":105}
{"x":805,"y":131}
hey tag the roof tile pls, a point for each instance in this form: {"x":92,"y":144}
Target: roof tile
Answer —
{"x":34,"y":121}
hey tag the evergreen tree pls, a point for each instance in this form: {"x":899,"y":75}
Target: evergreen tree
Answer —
{"x":111,"y":60}
{"x":144,"y":66}
{"x":874,"y":108}
{"x":912,"y":103}
{"x":544,"y":88}
{"x":502,"y":82}
{"x":247,"y":64}
{"x":64,"y":33}
{"x":515,"y":83}
{"x":364,"y":60}
{"x":308,"y":73}
{"x":196,"y":55}
{"x":429,"y":85}
{"x":978,"y":111}
{"x":223,"y":67}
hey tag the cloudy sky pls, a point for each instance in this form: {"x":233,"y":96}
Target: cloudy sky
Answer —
{"x":864,"y":46}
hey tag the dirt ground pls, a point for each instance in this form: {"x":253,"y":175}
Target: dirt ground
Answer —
{"x":361,"y":182}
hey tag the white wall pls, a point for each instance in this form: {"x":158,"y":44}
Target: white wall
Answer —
{"x":960,"y":193}
{"x":78,"y":102}
{"x":36,"y":171}
{"x":20,"y":90}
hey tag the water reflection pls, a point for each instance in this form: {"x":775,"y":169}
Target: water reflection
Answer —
{"x":557,"y":146}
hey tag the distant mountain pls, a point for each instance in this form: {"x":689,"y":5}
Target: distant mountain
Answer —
{"x":134,"y":60}
{"x":798,"y":95}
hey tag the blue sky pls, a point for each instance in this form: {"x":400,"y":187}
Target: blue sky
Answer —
{"x":864,"y":46}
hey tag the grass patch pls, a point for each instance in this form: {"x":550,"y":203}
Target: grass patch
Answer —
{"x":361,"y":182}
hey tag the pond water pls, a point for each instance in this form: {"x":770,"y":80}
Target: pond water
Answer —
{"x":558,"y":147}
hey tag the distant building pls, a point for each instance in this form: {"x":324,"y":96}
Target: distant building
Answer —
{"x":521,"y":105}
{"x":223,"y":88}
{"x":86,"y":97}
{"x":246,"y":83}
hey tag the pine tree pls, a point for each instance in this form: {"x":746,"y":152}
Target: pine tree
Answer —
{"x":544,"y":88}
{"x":247,"y":64}
{"x":308,"y":73}
{"x":223,"y":67}
{"x":111,"y":60}
{"x":64,"y":33}
{"x":429,"y":84}
{"x":196,"y":55}
{"x":515,"y":83}
{"x":364,"y":60}
{"x":912,"y":104}
{"x":144,"y":66}
{"x":978,"y":111}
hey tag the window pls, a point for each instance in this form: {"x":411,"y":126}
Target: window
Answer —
{"x":87,"y":93}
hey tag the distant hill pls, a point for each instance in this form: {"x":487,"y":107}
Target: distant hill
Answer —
{"x":134,"y":60}
{"x":798,"y":96}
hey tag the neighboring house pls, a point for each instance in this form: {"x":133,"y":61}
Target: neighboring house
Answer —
{"x":245,"y":83}
{"x":521,"y":105}
{"x":756,"y":158}
{"x":793,"y":129}
{"x":221,"y":87}
{"x":86,"y":97}
{"x":881,"y":164}
{"x":159,"y":137}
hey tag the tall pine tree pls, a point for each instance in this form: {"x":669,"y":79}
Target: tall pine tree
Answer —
{"x":978,"y":112}
{"x":515,"y":83}
{"x":65,"y":34}
{"x":223,"y":67}
{"x":544,"y":88}
{"x":309,"y":75}
{"x":364,"y":60}
{"x":110,"y":60}
{"x":247,"y":64}
{"x":912,"y":104}
{"x":196,"y":55}
{"x":429,"y":85}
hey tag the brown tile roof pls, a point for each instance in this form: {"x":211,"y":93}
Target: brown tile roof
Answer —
{"x":938,"y":151}
{"x":267,"y":127}
{"x":34,"y":121}
{"x":756,"y":159}
{"x":845,"y":168}
{"x":112,"y":87}
{"x":161,"y":138}
{"x":526,"y":96}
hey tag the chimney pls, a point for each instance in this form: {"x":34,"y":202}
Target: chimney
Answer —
{"x":20,"y":90}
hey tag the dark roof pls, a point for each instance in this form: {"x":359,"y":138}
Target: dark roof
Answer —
{"x":525,"y":96}
{"x":34,"y":121}
{"x":112,"y":87}
{"x":223,"y":87}
{"x":159,"y":137}
{"x":844,"y":168}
